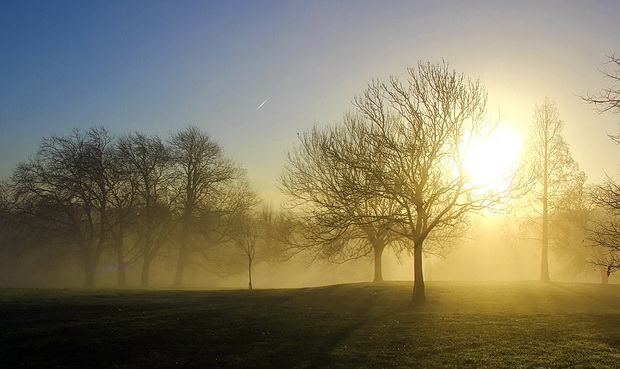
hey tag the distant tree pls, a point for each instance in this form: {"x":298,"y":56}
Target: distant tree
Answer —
{"x":568,"y":230}
{"x":252,"y":236}
{"x":64,"y":190}
{"x":608,"y":100}
{"x":340,"y":223}
{"x":245,"y":239}
{"x":147,"y":164}
{"x":16,"y":239}
{"x":202,"y":175}
{"x":121,"y":213}
{"x":552,"y":171}
{"x":222,"y":225}
{"x":605,"y":233}
{"x":26,"y":251}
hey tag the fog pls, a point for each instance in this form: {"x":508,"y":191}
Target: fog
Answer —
{"x":486,"y":252}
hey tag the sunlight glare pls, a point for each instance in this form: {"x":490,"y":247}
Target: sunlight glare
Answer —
{"x":490,"y":160}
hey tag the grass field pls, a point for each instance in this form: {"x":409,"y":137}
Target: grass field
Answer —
{"x":463,"y":325}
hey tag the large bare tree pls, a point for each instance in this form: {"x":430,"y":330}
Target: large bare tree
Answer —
{"x":147,"y":164}
{"x":421,"y":131}
{"x":552,"y":173}
{"x":339,"y":222}
{"x":608,"y":99}
{"x":65,"y":190}
{"x":606,"y":231}
{"x":413,"y":138}
{"x":203,"y":175}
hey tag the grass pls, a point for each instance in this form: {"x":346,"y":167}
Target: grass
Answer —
{"x":463,"y":325}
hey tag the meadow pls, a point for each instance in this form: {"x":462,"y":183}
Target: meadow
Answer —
{"x":367,"y":325}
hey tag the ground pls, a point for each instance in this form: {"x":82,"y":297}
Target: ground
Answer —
{"x":463,"y":325}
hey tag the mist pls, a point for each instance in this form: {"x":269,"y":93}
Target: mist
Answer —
{"x":486,"y":252}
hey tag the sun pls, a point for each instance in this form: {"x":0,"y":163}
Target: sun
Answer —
{"x":489,"y":162}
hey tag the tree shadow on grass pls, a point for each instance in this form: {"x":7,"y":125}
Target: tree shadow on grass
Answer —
{"x":326,"y":334}
{"x":605,"y":302}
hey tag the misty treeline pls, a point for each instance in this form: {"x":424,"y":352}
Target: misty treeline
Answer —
{"x":558,"y":209}
{"x":113,"y":202}
{"x":390,"y":175}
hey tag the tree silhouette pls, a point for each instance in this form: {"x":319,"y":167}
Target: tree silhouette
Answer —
{"x":608,"y":99}
{"x":339,"y":222}
{"x":606,"y":232}
{"x":551,"y":171}
{"x":147,"y":164}
{"x":421,"y":132}
{"x":202,"y":175}
{"x":65,"y":190}
{"x":409,"y":153}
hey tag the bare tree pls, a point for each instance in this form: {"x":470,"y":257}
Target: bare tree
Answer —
{"x":605,"y":230}
{"x":147,"y":164}
{"x":552,"y":170}
{"x":245,"y":239}
{"x":421,"y":132}
{"x":340,"y":223}
{"x":568,"y":230}
{"x":414,"y":137}
{"x":25,"y":247}
{"x":220,"y":223}
{"x":608,"y":100}
{"x":64,"y":189}
{"x":202,"y":174}
{"x":252,"y":236}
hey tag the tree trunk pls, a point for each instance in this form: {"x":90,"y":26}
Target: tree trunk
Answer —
{"x":90,"y":268}
{"x":120,"y":262}
{"x":419,"y":297}
{"x":604,"y":277}
{"x":544,"y":260}
{"x":184,"y":237}
{"x":122,"y":275}
{"x":378,"y":269}
{"x":544,"y":264}
{"x":250,"y":274}
{"x":181,"y":264}
{"x":144,"y":274}
{"x":544,"y":247}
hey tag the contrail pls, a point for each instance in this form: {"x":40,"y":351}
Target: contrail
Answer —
{"x":261,"y":104}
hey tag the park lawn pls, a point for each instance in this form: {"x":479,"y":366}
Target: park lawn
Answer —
{"x":367,"y":325}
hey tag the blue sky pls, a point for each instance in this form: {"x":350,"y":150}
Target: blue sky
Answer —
{"x":158,"y":66}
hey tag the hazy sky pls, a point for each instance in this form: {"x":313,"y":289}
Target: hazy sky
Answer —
{"x":158,"y":66}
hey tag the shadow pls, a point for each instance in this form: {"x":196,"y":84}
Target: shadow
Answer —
{"x":612,"y":305}
{"x":363,"y":309}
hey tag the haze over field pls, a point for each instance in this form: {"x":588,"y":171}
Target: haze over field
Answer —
{"x":252,"y":79}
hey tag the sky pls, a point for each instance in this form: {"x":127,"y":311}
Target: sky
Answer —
{"x":254,"y":74}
